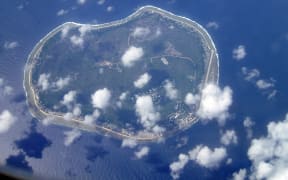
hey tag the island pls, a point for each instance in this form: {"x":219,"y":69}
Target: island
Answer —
{"x":137,"y":78}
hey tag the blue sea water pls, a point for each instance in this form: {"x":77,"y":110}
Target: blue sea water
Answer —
{"x":261,"y":26}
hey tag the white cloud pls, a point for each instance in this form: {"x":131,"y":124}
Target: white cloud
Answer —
{"x":71,"y":136}
{"x":142,"y":152}
{"x":77,"y":40}
{"x":11,"y":45}
{"x":272,"y":94}
{"x":43,"y":81}
{"x":84,"y":29}
{"x":131,"y":56}
{"x":76,"y":111}
{"x":90,"y":119}
{"x":158,"y":129}
{"x":170,"y":90}
{"x":240,"y":175}
{"x":142,"y":80}
{"x":212,"y":24}
{"x":229,"y":161}
{"x":266,"y":86}
{"x":206,"y":157}
{"x":100,"y":2}
{"x":65,"y":31}
{"x":269,"y":154}
{"x":140,"y":32}
{"x":62,"y":12}
{"x":69,"y":98}
{"x":250,"y":74}
{"x":4,"y":88}
{"x":123,"y":96}
{"x":62,"y":82}
{"x":101,"y":98}
{"x":239,"y":53}
{"x":47,"y":121}
{"x":81,"y":2}
{"x":215,"y":103}
{"x":177,"y":167}
{"x":129,"y":143}
{"x":7,"y":90}
{"x":191,"y":99}
{"x":248,"y":124}
{"x":6,"y":121}
{"x":109,"y":8}
{"x":229,"y":137}
{"x":146,"y":111}
{"x":262,"y":84}
{"x":202,"y":155}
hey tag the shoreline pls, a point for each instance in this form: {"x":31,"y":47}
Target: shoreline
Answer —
{"x":39,"y":113}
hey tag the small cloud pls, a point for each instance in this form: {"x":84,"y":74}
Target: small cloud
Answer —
{"x":122,"y":98}
{"x":212,"y":24}
{"x":272,"y":94}
{"x":239,"y":53}
{"x":142,"y":80}
{"x":178,"y":166}
{"x":76,"y":111}
{"x":81,"y":2}
{"x":90,"y":119}
{"x":101,"y":98}
{"x":5,"y":89}
{"x":229,"y":161}
{"x":65,"y":31}
{"x":171,"y":91}
{"x":248,"y":124}
{"x":109,"y":8}
{"x":266,"y":86}
{"x":128,"y":143}
{"x":146,"y":111}
{"x":20,"y":7}
{"x":142,"y":152}
{"x":250,"y":74}
{"x":62,"y":82}
{"x":131,"y":56}
{"x":263,"y":84}
{"x":11,"y":45}
{"x":7,"y":119}
{"x":140,"y":32}
{"x":215,"y":103}
{"x":101,"y":2}
{"x":191,"y":99}
{"x":71,"y":136}
{"x":240,"y":175}
{"x":77,"y":40}
{"x":83,"y":29}
{"x":229,"y":137}
{"x":43,"y":81}
{"x":69,"y":98}
{"x":47,"y":121}
{"x":206,"y":157}
{"x":62,"y":12}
